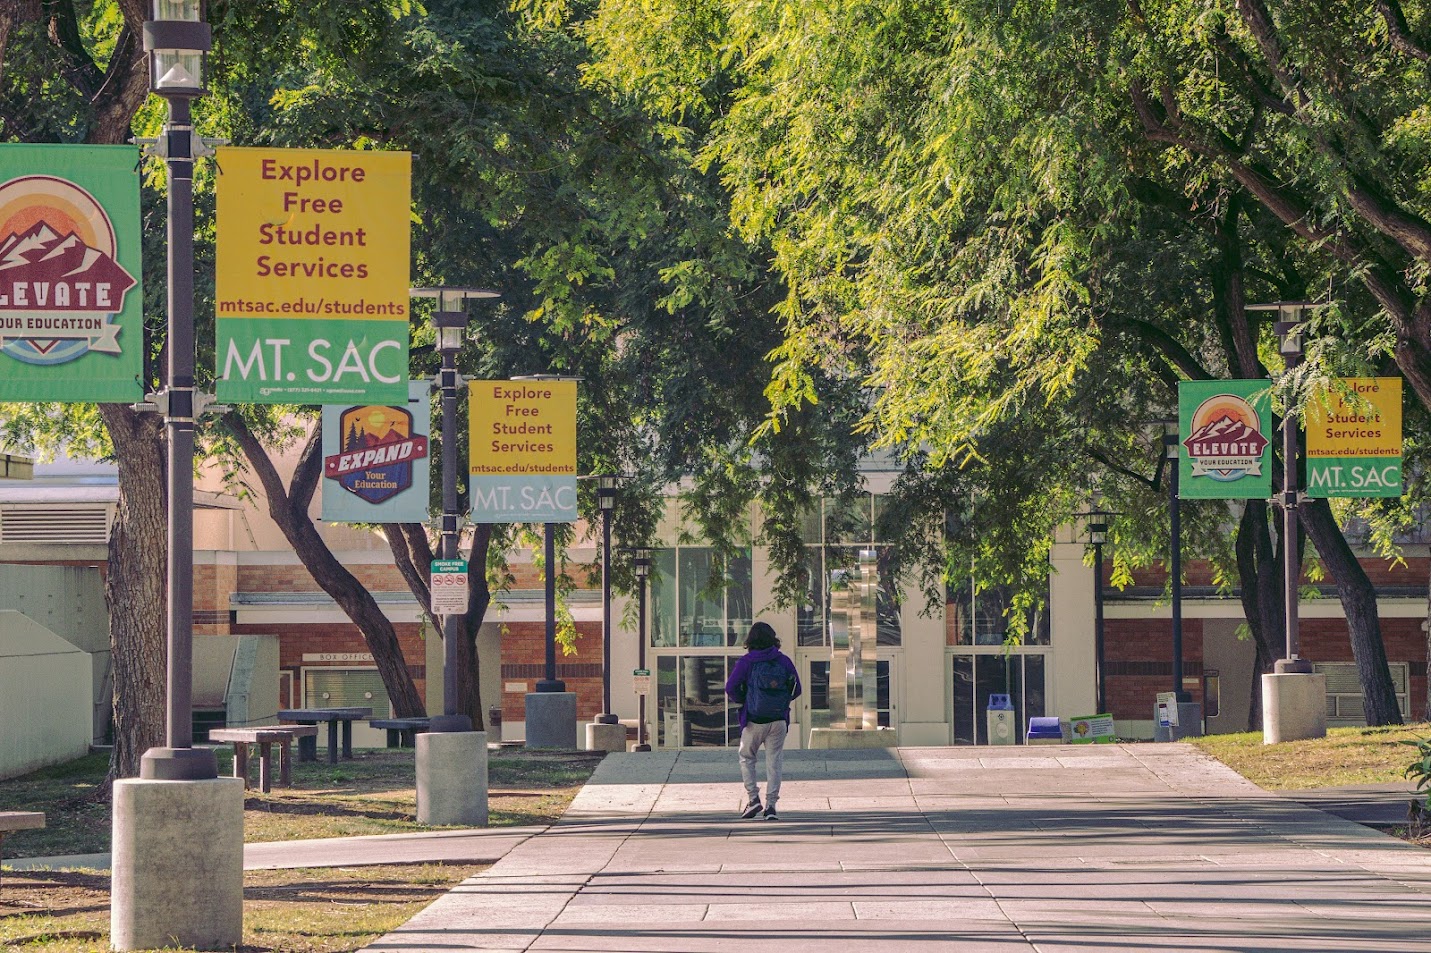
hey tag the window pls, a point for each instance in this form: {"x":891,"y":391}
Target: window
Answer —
{"x":834,"y":536}
{"x":982,"y":618}
{"x":1344,"y":696}
{"x":690,"y":608}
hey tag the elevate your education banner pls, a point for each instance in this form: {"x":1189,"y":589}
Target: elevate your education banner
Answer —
{"x":71,"y":302}
{"x":312,"y":276}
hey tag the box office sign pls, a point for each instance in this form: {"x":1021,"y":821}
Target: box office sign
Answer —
{"x":522,"y":444}
{"x":71,"y":303}
{"x":375,"y":460}
{"x":1354,"y":440}
{"x":311,"y":282}
{"x":1225,"y":453}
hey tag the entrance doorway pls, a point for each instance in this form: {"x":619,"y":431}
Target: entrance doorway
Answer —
{"x":815,"y":677}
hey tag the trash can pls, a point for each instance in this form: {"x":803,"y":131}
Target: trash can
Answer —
{"x":1000,"y":715}
{"x":494,"y":725}
{"x":1044,"y":730}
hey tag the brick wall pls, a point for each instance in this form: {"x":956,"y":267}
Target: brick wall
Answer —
{"x":297,"y":640}
{"x":1138,"y":663}
{"x":375,"y":577}
{"x":524,"y":660}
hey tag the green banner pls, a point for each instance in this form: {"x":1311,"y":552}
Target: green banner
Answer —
{"x":314,"y":361}
{"x":1353,"y":476}
{"x":71,"y":298}
{"x":1224,"y":451}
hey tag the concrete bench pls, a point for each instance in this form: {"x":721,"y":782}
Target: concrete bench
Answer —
{"x":12,"y":821}
{"x":402,"y":732}
{"x":308,"y":747}
{"x":266,"y":738}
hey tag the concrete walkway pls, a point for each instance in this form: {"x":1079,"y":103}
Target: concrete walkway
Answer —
{"x":1110,"y":848}
{"x":485,"y":846}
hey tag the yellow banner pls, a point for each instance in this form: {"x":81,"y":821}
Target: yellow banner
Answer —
{"x":1363,"y":423}
{"x":522,"y":428}
{"x":313,"y":233}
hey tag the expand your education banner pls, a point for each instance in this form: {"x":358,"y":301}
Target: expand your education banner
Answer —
{"x":376,"y":464}
{"x":312,"y":276}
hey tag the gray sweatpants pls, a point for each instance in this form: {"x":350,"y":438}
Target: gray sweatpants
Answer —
{"x":752,"y":738}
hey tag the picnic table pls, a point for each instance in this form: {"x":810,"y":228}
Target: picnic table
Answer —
{"x":402,"y":732}
{"x":266,"y":738}
{"x":308,"y":747}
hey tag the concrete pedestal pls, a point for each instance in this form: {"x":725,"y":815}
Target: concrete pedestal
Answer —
{"x":849,"y":738}
{"x":551,"y":720}
{"x":177,"y":867}
{"x":1189,"y":723}
{"x":452,"y":778}
{"x":1294,"y":706}
{"x":604,"y":737}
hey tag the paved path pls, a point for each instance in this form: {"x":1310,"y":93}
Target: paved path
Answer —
{"x":1055,"y":850}
{"x":485,"y":846}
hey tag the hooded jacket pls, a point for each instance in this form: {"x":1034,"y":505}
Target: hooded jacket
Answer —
{"x":740,"y":674}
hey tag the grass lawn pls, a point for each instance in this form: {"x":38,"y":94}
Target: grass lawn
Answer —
{"x":1346,"y":756}
{"x":328,"y":910}
{"x":372,"y":794}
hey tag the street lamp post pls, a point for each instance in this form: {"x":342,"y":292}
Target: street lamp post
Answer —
{"x":450,"y":323}
{"x":1170,"y":450}
{"x":1289,"y":334}
{"x":606,"y":501}
{"x":1098,"y":535}
{"x":177,"y":39}
{"x":550,"y":683}
{"x":177,"y":848}
{"x":642,"y":565}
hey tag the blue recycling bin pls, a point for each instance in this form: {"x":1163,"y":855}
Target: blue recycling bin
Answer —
{"x":1001,"y":724}
{"x":1044,"y":729}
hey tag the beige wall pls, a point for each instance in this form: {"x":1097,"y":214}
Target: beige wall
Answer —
{"x":45,"y":697}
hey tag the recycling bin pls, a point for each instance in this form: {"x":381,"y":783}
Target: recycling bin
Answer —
{"x":1003,"y":727}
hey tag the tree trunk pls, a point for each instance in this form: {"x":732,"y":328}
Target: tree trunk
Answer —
{"x":289,"y":509}
{"x":413,"y":552}
{"x":1259,"y":567}
{"x":135,"y":587}
{"x":1358,"y":598}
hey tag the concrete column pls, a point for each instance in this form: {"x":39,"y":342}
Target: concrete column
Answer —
{"x":452,"y":778}
{"x":1294,"y":706}
{"x":551,"y":720}
{"x":603,"y":737}
{"x":177,"y":875}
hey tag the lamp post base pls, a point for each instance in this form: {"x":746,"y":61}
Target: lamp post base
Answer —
{"x":451,"y":770}
{"x":607,"y":719}
{"x":551,"y":720}
{"x":547,"y":686}
{"x":178,"y":764}
{"x":641,"y":748}
{"x":605,"y":736}
{"x":440,"y":723}
{"x":1294,"y":707}
{"x":1293,"y":666}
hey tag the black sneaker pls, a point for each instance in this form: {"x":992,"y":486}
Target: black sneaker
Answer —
{"x":770,"y":814}
{"x":751,"y":809}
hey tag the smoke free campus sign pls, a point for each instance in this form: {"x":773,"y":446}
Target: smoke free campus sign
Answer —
{"x":312,"y":276}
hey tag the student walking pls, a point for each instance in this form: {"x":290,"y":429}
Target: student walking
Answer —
{"x":764,"y":682}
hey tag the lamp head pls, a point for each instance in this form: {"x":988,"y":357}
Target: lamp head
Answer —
{"x":641,"y":562}
{"x":176,"y":40}
{"x":606,"y":484}
{"x":1098,"y":533}
{"x":451,"y":327}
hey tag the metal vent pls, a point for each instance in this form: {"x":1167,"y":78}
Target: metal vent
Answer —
{"x":55,"y":524}
{"x":346,"y":688}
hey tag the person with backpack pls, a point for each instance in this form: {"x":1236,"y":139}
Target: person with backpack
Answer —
{"x":764,"y":682}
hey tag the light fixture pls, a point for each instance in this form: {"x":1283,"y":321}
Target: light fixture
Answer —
{"x":606,"y":491}
{"x":1098,"y":533}
{"x":451,"y":326}
{"x":1289,"y":335}
{"x":176,"y":40}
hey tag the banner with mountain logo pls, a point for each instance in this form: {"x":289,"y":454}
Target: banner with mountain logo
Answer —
{"x":71,"y":303}
{"x":1225,"y":453}
{"x":375,"y":460}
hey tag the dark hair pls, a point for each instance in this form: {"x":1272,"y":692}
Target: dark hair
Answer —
{"x":761,"y":636}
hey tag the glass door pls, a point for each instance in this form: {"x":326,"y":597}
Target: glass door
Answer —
{"x":976,"y":677}
{"x":815,"y":679}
